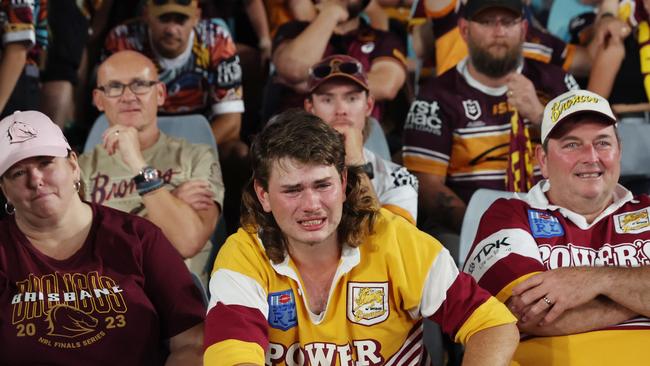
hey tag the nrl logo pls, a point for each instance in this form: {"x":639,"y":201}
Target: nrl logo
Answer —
{"x":472,"y":109}
{"x":20,"y":132}
{"x":367,"y":302}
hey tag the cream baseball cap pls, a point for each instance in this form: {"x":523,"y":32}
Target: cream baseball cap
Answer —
{"x":27,"y":134}
{"x":570,"y":103}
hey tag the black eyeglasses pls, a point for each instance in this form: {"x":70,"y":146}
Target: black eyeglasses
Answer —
{"x":494,"y":22}
{"x":116,"y":89}
{"x":349,"y":68}
{"x":179,"y":2}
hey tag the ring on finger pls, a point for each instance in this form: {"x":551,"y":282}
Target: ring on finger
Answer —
{"x":547,"y":301}
{"x":509,"y":93}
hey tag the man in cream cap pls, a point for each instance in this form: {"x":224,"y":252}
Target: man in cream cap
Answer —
{"x":571,"y":259}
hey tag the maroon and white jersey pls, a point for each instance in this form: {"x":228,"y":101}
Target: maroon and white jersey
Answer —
{"x":460,"y":128}
{"x":519,"y":237}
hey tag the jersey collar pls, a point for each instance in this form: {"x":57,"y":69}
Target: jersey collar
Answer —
{"x":537,"y":199}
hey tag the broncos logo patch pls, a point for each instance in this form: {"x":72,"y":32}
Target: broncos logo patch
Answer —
{"x":67,"y":321}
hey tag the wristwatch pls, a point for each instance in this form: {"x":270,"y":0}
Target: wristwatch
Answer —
{"x":146,"y":175}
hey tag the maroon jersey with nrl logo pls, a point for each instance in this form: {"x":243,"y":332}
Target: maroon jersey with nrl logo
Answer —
{"x":113,"y":302}
{"x":520,"y":237}
{"x":460,"y":128}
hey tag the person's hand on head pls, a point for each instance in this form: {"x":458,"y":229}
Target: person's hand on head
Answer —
{"x":353,"y":145}
{"x":522,"y":96}
{"x":196,"y":193}
{"x":123,"y":140}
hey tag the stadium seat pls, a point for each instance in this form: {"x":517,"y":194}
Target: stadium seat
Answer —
{"x":194,"y":128}
{"x":635,"y":170}
{"x":478,"y":204}
{"x":376,"y":141}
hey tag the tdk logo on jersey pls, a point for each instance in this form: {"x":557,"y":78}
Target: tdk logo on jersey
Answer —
{"x":282,"y":310}
{"x":544,"y":225}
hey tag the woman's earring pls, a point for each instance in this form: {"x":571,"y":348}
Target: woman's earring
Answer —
{"x":77,"y":185}
{"x":9,"y":208}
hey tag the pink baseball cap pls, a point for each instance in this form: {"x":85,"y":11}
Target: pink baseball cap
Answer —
{"x":27,"y":134}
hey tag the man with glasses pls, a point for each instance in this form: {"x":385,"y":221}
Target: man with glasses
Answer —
{"x":473,"y":127}
{"x":138,"y":169}
{"x":198,"y":62}
{"x":339,"y":95}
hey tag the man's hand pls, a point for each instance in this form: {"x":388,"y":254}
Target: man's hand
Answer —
{"x":353,"y":145}
{"x":124,"y":141}
{"x":554,"y":292}
{"x":196,"y":193}
{"x":523,"y":97}
{"x":334,"y":8}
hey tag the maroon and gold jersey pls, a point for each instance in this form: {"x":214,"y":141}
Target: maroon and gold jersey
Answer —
{"x":112,"y":302}
{"x":205,"y":78}
{"x":366,"y":44}
{"x":460,"y":128}
{"x":520,"y":237}
{"x":25,"y":22}
{"x":381,"y":292}
{"x":451,"y":48}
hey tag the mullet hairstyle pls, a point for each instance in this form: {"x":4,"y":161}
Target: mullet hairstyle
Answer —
{"x":305,"y":138}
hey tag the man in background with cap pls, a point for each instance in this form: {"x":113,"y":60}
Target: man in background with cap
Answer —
{"x":339,"y":95}
{"x":473,"y":126}
{"x":571,"y":260}
{"x":337,"y":29}
{"x":197,"y":60}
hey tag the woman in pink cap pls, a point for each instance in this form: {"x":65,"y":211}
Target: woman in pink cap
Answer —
{"x":82,"y":284}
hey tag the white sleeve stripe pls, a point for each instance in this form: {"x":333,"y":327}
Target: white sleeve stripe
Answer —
{"x":20,"y":36}
{"x":498,"y":246}
{"x":233,"y":288}
{"x":442,"y":274}
{"x":228,"y":106}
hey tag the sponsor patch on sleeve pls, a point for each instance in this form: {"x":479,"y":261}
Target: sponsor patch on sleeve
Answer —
{"x":498,"y":246}
{"x":632,"y":222}
{"x":282,"y":310}
{"x":544,"y":225}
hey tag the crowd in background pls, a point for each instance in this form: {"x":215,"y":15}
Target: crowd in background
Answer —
{"x":459,"y":109}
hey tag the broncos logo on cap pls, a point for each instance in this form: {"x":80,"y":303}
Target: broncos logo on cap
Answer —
{"x":20,"y":132}
{"x":67,"y":321}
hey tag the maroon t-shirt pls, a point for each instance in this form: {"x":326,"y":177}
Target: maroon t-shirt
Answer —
{"x":112,"y":302}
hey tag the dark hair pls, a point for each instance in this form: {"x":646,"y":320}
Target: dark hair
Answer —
{"x":301,"y":136}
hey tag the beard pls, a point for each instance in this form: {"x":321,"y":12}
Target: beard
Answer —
{"x":492,"y":66}
{"x":355,"y":7}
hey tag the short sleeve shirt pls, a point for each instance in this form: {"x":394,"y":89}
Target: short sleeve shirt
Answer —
{"x":113,"y":302}
{"x":460,"y":129}
{"x":205,"y":79}
{"x":26,"y":22}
